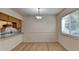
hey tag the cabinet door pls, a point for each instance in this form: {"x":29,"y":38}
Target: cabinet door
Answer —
{"x":15,"y":21}
{"x":12,"y":19}
{"x":19,"y":23}
{"x":3,"y":17}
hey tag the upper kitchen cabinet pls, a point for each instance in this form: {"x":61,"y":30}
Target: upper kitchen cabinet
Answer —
{"x":16,"y":22}
{"x":19,"y":23}
{"x":4,"y":17}
{"x":12,"y":19}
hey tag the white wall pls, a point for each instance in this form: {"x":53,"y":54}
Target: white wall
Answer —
{"x":43,"y":30}
{"x":70,"y":43}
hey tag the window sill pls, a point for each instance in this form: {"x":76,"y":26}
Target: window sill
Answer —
{"x":70,"y":36}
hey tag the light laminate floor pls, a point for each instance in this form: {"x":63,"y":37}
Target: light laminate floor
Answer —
{"x":39,"y":47}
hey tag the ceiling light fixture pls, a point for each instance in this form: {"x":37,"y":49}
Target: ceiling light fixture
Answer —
{"x":38,"y":17}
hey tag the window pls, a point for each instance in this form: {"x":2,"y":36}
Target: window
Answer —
{"x":70,"y":24}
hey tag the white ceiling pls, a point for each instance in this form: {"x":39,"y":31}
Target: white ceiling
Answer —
{"x":34,"y":11}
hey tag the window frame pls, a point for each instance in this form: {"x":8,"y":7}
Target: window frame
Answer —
{"x":64,"y":34}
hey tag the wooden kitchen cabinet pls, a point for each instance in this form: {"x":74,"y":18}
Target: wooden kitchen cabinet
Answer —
{"x":4,"y":17}
{"x":12,"y":19}
{"x":17,"y":23}
{"x":15,"y":20}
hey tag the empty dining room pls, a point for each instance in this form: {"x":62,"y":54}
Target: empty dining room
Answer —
{"x":39,"y":29}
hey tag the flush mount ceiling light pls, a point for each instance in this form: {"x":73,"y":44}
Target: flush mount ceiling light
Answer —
{"x":38,"y":17}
